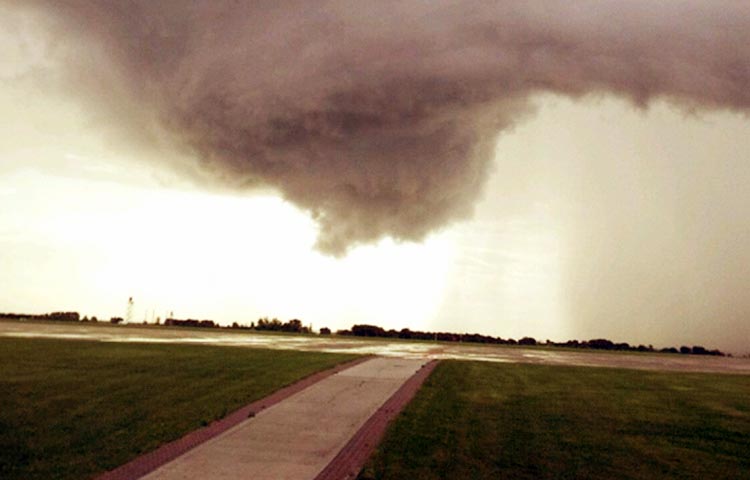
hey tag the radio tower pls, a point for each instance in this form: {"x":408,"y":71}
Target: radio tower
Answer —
{"x":129,"y":311}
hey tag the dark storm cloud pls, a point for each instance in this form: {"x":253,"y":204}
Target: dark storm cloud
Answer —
{"x":380,"y":118}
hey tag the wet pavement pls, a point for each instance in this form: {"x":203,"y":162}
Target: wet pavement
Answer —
{"x":382,"y":347}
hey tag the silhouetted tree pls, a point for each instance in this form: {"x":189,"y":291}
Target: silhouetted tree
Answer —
{"x":404,"y":333}
{"x":601,"y":344}
{"x":367,"y":331}
{"x":64,"y":316}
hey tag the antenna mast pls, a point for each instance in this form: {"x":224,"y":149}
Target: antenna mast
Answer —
{"x":129,"y":311}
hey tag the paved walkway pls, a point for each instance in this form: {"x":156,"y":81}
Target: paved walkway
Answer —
{"x":298,"y":437}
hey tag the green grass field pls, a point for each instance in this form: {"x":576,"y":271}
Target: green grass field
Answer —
{"x":72,"y":409}
{"x":475,"y":420}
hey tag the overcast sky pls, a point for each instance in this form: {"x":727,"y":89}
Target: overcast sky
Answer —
{"x":419,"y":174}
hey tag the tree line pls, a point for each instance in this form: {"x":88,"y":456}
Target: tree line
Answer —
{"x":263,"y":324}
{"x":54,"y":316}
{"x":363,"y":330}
{"x":595,"y":344}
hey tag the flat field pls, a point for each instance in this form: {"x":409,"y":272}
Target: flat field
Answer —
{"x":72,"y":409}
{"x":374,"y":346}
{"x":479,"y":420}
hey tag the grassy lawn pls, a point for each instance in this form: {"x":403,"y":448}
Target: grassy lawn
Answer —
{"x":474,"y":420}
{"x":72,"y":409}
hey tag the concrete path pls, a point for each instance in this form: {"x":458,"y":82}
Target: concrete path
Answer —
{"x":298,"y":437}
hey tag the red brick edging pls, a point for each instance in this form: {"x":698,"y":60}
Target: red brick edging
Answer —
{"x":149,"y":462}
{"x":350,"y":460}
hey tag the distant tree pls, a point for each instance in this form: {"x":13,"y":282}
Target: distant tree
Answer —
{"x":116,"y":320}
{"x":404,"y":333}
{"x":325,"y":331}
{"x":527,"y":341}
{"x":367,"y":331}
{"x":64,"y":316}
{"x":686,"y":350}
{"x":277,"y":325}
{"x":601,"y":344}
{"x":293,"y":325}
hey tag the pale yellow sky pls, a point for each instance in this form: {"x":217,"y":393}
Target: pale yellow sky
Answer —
{"x":599,"y":220}
{"x":83,"y":226}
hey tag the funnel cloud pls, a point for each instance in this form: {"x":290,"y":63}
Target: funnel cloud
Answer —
{"x":378,"y":118}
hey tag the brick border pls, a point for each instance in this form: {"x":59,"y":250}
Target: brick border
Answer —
{"x":150,"y":461}
{"x":350,"y":460}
